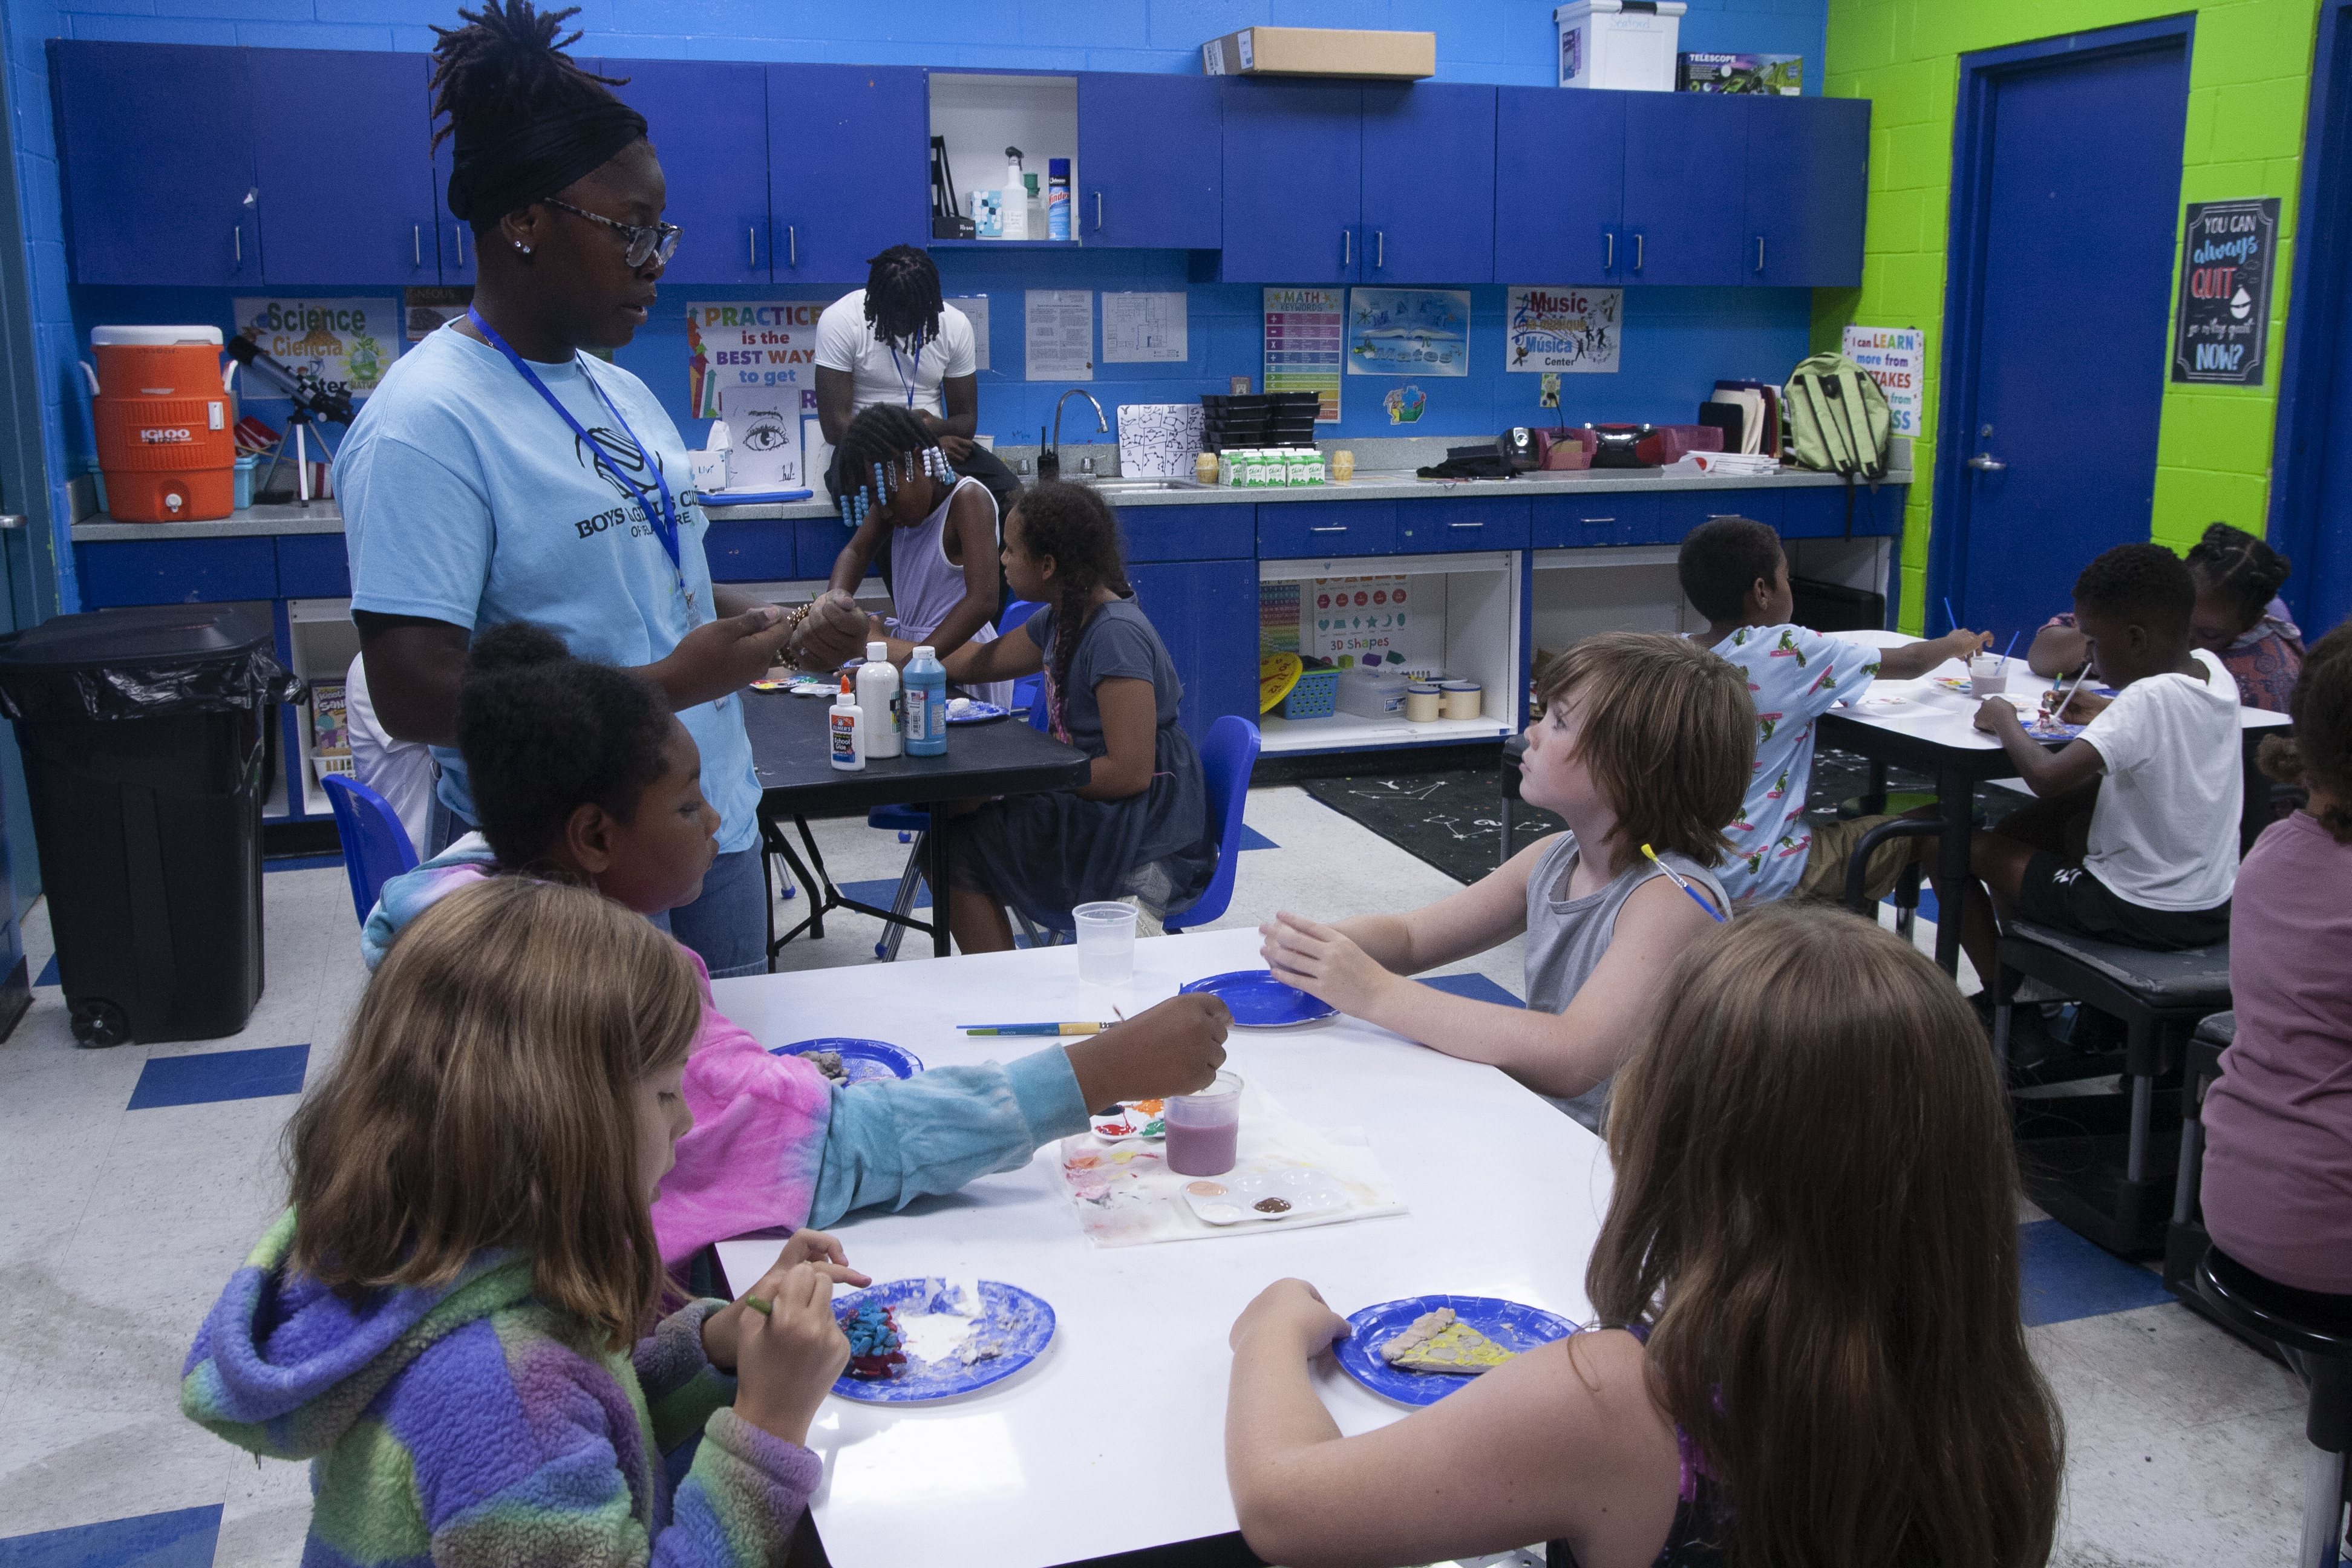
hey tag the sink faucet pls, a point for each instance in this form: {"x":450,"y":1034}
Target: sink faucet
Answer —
{"x":1102,"y":425}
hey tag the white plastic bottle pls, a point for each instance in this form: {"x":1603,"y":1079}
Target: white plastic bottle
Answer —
{"x":1015,"y":195}
{"x":846,"y":734}
{"x":878,"y":699}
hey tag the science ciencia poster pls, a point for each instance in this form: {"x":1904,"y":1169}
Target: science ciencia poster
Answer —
{"x":342,"y":345}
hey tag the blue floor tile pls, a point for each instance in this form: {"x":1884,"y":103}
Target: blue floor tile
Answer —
{"x":1253,"y":839}
{"x":2061,"y":1277}
{"x":1476,"y":987}
{"x":880,"y":891}
{"x":304,"y":863}
{"x":184,"y":1538}
{"x":221,"y":1075}
{"x":48,"y":971}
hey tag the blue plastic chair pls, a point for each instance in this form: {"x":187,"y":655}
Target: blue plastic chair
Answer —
{"x":1029,"y":688}
{"x":376,"y":846}
{"x":1225,"y":763}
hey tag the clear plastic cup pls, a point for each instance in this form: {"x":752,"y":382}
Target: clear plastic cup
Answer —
{"x":1988,"y":675}
{"x":1106,"y":942}
{"x":1204,"y":1129}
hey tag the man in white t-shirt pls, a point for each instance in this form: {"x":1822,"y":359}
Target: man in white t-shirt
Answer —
{"x":2163,"y":850}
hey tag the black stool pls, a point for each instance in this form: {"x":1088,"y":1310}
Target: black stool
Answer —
{"x":2186,"y":1240}
{"x":2159,"y":997}
{"x":1907,"y":885}
{"x":2315,"y":1333}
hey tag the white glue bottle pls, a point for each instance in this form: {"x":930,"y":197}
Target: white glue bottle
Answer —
{"x":845,"y":734}
{"x":878,"y":699}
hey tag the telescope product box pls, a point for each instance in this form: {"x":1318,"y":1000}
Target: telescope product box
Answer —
{"x":1324,"y":51}
{"x":1781,"y":75}
{"x":1627,"y":45}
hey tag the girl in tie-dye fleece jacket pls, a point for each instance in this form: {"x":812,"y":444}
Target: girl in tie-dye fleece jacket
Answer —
{"x":446,"y":1320}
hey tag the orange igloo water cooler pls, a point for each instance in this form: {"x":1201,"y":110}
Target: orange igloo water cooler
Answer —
{"x":165,"y":435}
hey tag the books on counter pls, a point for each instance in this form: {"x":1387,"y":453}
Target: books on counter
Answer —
{"x":1758,"y":425}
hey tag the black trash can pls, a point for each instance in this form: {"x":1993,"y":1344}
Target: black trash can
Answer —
{"x":142,"y":732}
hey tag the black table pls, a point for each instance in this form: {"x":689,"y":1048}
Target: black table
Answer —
{"x":798,"y":781}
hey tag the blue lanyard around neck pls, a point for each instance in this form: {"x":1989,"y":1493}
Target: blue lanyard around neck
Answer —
{"x":665,"y":522}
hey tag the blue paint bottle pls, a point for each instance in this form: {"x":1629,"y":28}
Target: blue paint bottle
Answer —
{"x":926,"y":704}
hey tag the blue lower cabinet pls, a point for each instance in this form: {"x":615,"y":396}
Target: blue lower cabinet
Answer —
{"x":1427,"y":526}
{"x":1189,"y":532}
{"x":815,"y":543}
{"x":1206,"y":614}
{"x":178,"y":571}
{"x":754,"y":551}
{"x":314,"y":566}
{"x":1291,"y":529}
{"x":1679,"y":511}
{"x":1573,"y":523}
{"x":1820,"y":513}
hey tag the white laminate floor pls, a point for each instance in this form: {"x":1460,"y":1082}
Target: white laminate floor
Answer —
{"x":118,"y":1227}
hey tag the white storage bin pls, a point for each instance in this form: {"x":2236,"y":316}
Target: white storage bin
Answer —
{"x":1629,"y":45}
{"x":1375,"y":694}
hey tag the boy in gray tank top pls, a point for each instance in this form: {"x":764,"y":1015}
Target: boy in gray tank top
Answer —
{"x":1639,"y":738}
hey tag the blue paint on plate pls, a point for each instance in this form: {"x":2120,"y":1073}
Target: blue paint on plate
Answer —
{"x":862,"y":1059}
{"x":1020,"y":1324}
{"x":1258,"y":1001}
{"x":1507,"y":1323}
{"x":978,"y":714}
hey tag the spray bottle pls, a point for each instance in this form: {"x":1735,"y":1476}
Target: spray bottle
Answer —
{"x":1016,"y":198}
{"x":1057,"y":198}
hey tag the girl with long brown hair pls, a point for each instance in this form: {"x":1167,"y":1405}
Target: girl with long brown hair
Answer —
{"x":1806,"y":1346}
{"x":448,"y":1316}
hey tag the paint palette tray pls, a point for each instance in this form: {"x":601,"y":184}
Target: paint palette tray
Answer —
{"x":1266,"y":1193}
{"x":1131,"y":1119}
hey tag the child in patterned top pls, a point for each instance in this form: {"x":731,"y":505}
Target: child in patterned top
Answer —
{"x":1735,"y":573}
{"x":455,"y":1317}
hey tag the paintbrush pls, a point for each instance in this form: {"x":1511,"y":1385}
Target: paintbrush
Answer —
{"x":1712,"y":913}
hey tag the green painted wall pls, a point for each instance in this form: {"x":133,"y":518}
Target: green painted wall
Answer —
{"x":2249,"y":86}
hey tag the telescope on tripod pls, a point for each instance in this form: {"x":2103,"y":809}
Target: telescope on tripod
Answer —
{"x":314,"y":403}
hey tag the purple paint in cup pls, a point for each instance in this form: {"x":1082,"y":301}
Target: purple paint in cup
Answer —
{"x":1203,"y":1129}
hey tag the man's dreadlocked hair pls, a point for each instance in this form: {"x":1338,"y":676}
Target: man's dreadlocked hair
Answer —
{"x":505,"y":67}
{"x":884,"y":448}
{"x":902,"y":298}
{"x":1076,"y":526}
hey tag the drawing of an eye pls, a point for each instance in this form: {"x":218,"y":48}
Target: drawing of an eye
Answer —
{"x":764,"y":437}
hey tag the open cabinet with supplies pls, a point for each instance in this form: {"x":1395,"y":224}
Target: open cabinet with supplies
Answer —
{"x":323,"y":642}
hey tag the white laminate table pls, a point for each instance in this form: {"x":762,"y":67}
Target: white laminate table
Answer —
{"x":1113,"y":1440}
{"x":1934,"y":731}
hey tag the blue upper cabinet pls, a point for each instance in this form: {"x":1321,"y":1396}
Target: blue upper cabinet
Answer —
{"x":849,"y":171}
{"x":1808,"y":188}
{"x":1560,"y":186}
{"x":709,"y":124}
{"x":1428,"y":184}
{"x":359,"y":204}
{"x":1686,"y":188}
{"x":1294,"y":173}
{"x":457,"y":239}
{"x":1149,"y":162}
{"x":156,"y":145}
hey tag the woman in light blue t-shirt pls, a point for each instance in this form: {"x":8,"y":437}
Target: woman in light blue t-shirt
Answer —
{"x":499,"y":475}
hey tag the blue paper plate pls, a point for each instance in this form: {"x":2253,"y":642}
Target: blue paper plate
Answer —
{"x":1259,"y":1001}
{"x":862,"y":1059}
{"x":978,"y":714}
{"x":1507,"y":1323}
{"x":1020,"y":1323}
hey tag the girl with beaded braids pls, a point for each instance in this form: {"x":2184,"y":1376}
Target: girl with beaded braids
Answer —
{"x":500,"y":475}
{"x":894,"y":485}
{"x":1139,"y":828}
{"x":2239,"y":618}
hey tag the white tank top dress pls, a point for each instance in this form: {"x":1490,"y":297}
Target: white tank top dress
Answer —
{"x":925,"y":585}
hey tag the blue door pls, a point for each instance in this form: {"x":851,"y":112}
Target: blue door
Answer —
{"x":1151,"y":161}
{"x":157,"y":143}
{"x":359,"y":203}
{"x":1194,"y":605}
{"x":1560,"y":186}
{"x":1808,"y":190}
{"x":2066,"y":181}
{"x":1429,"y":184}
{"x":709,"y":124}
{"x":1294,"y":182}
{"x":848,"y":167}
{"x":1686,"y":188}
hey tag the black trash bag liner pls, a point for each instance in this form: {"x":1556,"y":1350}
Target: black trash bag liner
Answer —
{"x":142,"y":664}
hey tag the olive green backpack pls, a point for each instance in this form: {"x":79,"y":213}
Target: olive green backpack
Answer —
{"x":1838,"y":423}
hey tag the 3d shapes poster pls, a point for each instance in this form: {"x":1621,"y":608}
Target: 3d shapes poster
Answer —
{"x":1547,"y":331}
{"x":1409,"y":332}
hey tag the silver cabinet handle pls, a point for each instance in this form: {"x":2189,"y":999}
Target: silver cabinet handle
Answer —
{"x":1098,"y":212}
{"x":12,"y":520}
{"x":1986,"y":463}
{"x":236,"y":241}
{"x":1596,"y":520}
{"x":751,"y":239}
{"x":461,"y":244}
{"x":1328,"y":528}
{"x":1347,"y":247}
{"x":1610,"y":264}
{"x":1638,"y":238}
{"x":1381,"y":247}
{"x":792,"y":241}
{"x":1759,"y":253}
{"x":416,"y":240}
{"x":1466,"y":525}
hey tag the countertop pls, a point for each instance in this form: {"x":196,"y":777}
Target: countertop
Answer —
{"x":325,"y":516}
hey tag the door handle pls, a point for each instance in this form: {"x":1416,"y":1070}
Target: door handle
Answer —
{"x":1610,"y":264}
{"x":1986,"y":463}
{"x":12,"y":520}
{"x":1380,"y":247}
{"x":416,"y":240}
{"x":1098,"y":212}
{"x":1638,"y":237}
{"x":1347,"y":247}
{"x":1759,"y":253}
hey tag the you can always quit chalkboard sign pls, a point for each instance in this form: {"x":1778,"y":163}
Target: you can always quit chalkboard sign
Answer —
{"x":2222,"y":326}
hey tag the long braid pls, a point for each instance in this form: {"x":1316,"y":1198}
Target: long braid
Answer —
{"x":885,"y":447}
{"x":507,"y":65}
{"x":2236,"y":564}
{"x":1076,"y":527}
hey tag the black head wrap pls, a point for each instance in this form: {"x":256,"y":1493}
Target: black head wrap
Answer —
{"x":490,"y":176}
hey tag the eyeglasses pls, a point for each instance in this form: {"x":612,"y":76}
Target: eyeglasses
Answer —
{"x":647,"y":241}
